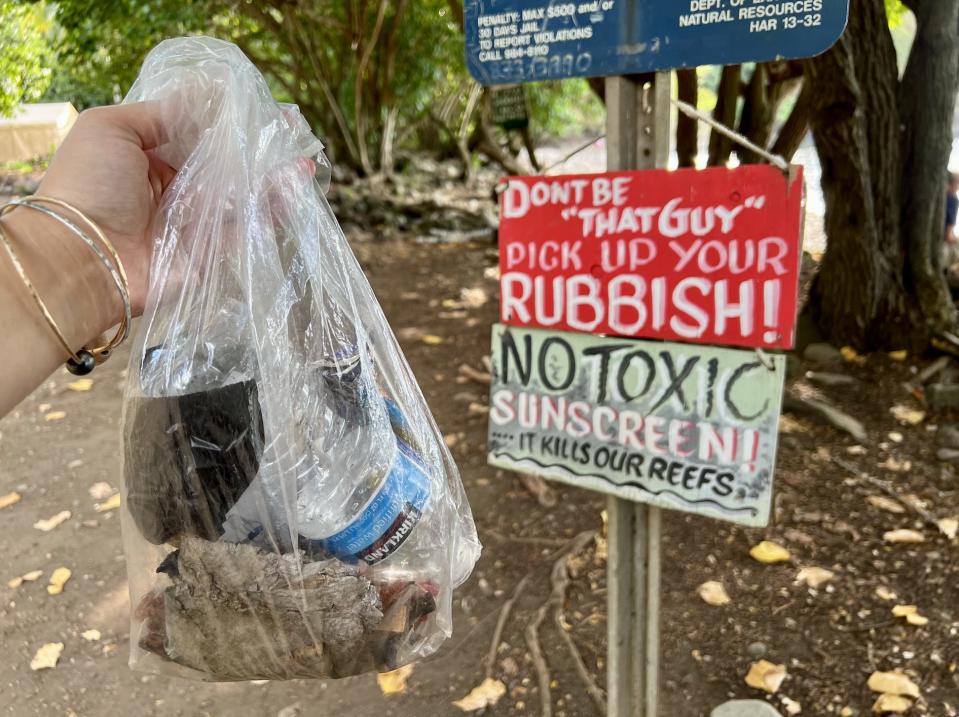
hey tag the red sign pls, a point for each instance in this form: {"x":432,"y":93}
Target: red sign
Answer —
{"x":708,"y":256}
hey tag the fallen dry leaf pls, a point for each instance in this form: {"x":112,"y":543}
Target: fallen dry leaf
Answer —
{"x":884,"y":503}
{"x":893,"y":464}
{"x":791,"y":706}
{"x":58,"y":579}
{"x":9,"y":499}
{"x":769,"y":552}
{"x":47,"y":656}
{"x":712,"y":592}
{"x":486,"y":694}
{"x":431,"y":339}
{"x":90,"y":635}
{"x":904,"y":414}
{"x":81,"y":385}
{"x":25,"y":578}
{"x":394,"y":682}
{"x":101,"y":490}
{"x":852,"y":356}
{"x":892,"y":703}
{"x":50,"y":523}
{"x":478,"y":409}
{"x":949,"y":527}
{"x":903,"y":535}
{"x":764,"y":675}
{"x":893,"y":683}
{"x":474,"y":297}
{"x":900,"y":355}
{"x":111,"y":503}
{"x":885,"y":593}
{"x":814,"y":577}
{"x":54,"y":415}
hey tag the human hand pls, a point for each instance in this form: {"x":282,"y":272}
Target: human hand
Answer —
{"x":107,"y":169}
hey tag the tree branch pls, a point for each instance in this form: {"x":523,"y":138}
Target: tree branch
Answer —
{"x":687,"y":128}
{"x":727,"y":93}
{"x":796,"y":126}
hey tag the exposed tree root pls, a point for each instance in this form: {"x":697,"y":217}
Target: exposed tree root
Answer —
{"x":501,"y":623}
{"x":559,"y":579}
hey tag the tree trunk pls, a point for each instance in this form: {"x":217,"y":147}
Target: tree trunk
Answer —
{"x":794,"y":130}
{"x":927,"y":98}
{"x":687,"y":128}
{"x":727,"y":94}
{"x":530,"y":147}
{"x":846,"y":293}
{"x":757,"y":117}
{"x":884,"y":146}
{"x":386,"y":145}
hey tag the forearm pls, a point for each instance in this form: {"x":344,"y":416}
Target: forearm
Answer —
{"x":73,"y":284}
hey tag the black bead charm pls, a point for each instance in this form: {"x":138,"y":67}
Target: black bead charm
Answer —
{"x":86,"y":365}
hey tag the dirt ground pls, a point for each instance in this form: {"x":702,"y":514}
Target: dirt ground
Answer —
{"x":829,"y":639}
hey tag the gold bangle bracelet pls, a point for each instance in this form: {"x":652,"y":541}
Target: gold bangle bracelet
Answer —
{"x":115,"y":269}
{"x":83,"y":361}
{"x":18,"y":266}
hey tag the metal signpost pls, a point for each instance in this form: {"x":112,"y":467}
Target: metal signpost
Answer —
{"x":637,"y":137}
{"x":547,"y":415}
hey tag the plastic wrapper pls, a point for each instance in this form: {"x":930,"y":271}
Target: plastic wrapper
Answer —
{"x":291,"y":509}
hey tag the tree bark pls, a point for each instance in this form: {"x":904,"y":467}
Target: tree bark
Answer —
{"x":365,"y":47}
{"x":757,"y":117}
{"x":794,"y":130}
{"x":727,"y":97}
{"x":530,"y":147}
{"x":687,"y":128}
{"x":927,"y":103}
{"x":884,"y":146}
{"x":846,"y":293}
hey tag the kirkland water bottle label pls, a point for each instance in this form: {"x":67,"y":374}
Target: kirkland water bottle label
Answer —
{"x":389,"y":519}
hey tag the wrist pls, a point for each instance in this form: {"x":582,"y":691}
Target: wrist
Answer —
{"x":66,"y":273}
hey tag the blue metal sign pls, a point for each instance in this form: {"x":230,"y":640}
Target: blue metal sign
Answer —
{"x":510,"y":41}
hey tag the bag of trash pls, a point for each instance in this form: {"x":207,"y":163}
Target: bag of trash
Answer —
{"x":291,"y":509}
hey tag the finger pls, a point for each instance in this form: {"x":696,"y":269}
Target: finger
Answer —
{"x":142,"y":118}
{"x":161,"y":169}
{"x":160,"y":175}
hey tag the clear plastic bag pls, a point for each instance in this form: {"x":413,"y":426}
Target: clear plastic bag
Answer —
{"x":291,"y":509}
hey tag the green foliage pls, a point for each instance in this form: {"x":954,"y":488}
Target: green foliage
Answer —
{"x":367,"y":74}
{"x":895,"y":11}
{"x":100,"y":45}
{"x":566,"y":108}
{"x":25,"y":55}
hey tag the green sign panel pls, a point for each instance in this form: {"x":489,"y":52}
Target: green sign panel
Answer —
{"x":509,"y":107}
{"x":686,"y":427}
